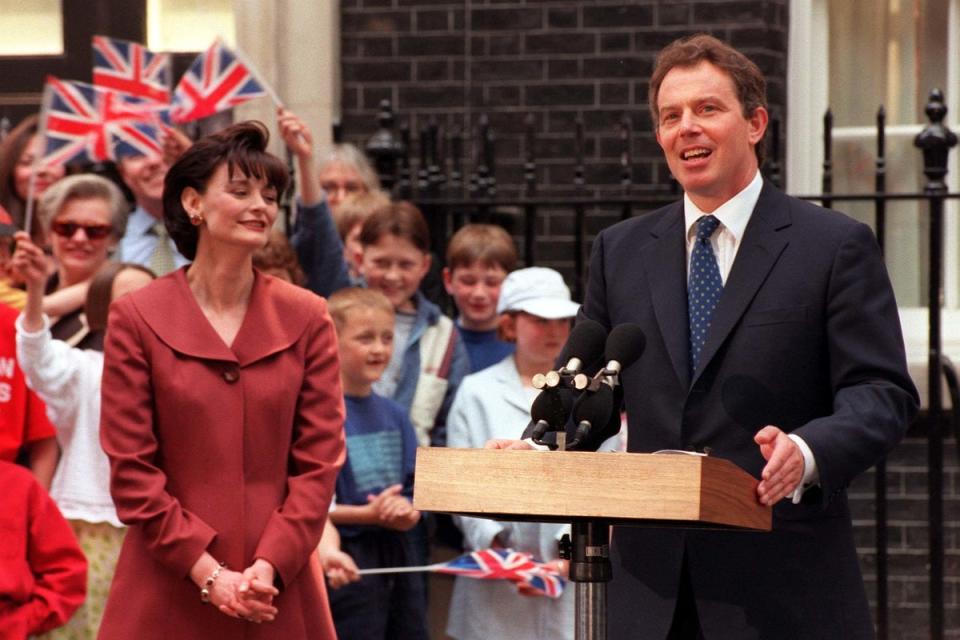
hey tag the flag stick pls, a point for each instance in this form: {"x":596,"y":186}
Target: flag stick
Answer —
{"x":425,"y":567}
{"x":38,"y":157}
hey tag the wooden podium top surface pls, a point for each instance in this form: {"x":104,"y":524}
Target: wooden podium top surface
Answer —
{"x":623,"y":488}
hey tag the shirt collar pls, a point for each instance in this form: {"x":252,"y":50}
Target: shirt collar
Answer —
{"x":140,"y":222}
{"x":734,"y":214}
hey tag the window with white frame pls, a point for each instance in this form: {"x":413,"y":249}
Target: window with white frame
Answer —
{"x":853,"y":56}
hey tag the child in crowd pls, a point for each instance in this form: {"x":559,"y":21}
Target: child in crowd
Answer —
{"x":376,"y":483}
{"x":429,"y":360}
{"x":24,"y":425}
{"x":9,"y":294}
{"x":349,"y":219}
{"x":535,"y":312}
{"x":68,"y":380}
{"x":43,"y":573}
{"x":278,"y":259}
{"x":479,"y":257}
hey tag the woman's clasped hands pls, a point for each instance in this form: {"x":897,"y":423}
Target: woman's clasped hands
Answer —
{"x":248,"y":595}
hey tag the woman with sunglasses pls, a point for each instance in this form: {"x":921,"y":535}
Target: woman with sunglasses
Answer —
{"x":83,"y":217}
{"x":222,"y":418}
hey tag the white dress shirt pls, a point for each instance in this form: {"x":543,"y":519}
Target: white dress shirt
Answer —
{"x":734,"y":214}
{"x":139,"y":242}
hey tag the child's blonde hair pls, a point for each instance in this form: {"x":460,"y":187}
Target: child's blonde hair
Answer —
{"x":345,"y":300}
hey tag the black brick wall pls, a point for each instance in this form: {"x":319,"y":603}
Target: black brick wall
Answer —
{"x":557,"y":59}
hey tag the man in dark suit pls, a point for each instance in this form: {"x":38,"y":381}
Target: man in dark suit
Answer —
{"x":773,"y":340}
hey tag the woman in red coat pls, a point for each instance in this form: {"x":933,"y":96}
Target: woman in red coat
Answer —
{"x":222,"y":418}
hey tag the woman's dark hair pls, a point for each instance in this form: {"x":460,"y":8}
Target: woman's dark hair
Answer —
{"x":10,"y":152}
{"x":401,"y":219}
{"x":243,"y":147}
{"x":100,"y":293}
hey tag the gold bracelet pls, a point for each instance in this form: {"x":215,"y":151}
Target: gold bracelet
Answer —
{"x":205,"y":589}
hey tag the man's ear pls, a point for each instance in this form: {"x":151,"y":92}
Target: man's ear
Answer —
{"x":758,"y":122}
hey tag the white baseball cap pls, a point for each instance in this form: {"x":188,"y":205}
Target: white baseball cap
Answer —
{"x":538,"y":291}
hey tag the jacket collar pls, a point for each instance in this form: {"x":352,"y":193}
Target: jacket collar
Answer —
{"x":275,"y":319}
{"x":665,"y":261}
{"x":506,"y":375}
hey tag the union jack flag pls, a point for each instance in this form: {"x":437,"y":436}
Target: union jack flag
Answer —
{"x":216,"y":81}
{"x":507,"y":564}
{"x":129,"y":67}
{"x":84,"y":122}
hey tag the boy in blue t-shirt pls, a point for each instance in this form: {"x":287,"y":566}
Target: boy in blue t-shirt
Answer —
{"x":375,"y":486}
{"x":479,"y":257}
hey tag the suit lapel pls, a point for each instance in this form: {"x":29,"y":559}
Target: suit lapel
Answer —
{"x":763,"y":242}
{"x":665,"y":263}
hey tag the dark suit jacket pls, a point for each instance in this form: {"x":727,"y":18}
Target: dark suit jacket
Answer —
{"x":806,"y":336}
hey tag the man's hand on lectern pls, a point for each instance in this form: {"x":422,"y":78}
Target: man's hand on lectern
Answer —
{"x":503,"y":443}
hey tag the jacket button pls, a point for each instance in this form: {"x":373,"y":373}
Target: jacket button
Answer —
{"x":231,"y":375}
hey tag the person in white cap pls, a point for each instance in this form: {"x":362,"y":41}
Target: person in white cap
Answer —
{"x":536,"y":313}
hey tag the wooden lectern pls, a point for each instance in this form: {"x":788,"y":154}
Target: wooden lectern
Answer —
{"x":591,"y":491}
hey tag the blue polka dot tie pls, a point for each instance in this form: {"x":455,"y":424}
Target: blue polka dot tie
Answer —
{"x":703,"y":288}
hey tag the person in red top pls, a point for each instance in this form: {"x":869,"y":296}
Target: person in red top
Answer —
{"x":43,"y":572}
{"x":23,"y":416}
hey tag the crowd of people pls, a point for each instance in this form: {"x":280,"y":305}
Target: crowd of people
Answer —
{"x":197,"y":415}
{"x":221,"y":423}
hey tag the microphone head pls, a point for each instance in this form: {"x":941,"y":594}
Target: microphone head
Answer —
{"x":625,"y":344}
{"x":594,"y":407}
{"x":585,"y":342}
{"x":553,"y":406}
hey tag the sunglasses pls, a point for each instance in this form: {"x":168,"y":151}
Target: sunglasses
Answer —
{"x":92,"y":231}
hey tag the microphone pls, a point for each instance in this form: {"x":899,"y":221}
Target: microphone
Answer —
{"x":597,"y":412}
{"x":550,"y":410}
{"x":583,"y":347}
{"x":591,"y":408}
{"x":624,"y":346}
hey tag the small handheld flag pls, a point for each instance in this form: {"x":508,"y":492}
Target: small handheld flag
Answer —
{"x":218,"y":79}
{"x":494,"y":564}
{"x":84,"y":122}
{"x":130,"y":68}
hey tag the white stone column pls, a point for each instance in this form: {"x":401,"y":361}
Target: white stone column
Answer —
{"x":295,"y":46}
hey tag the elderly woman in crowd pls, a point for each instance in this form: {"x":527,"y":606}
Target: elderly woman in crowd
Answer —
{"x":222,"y":419}
{"x":83,"y":216}
{"x":17,"y":155}
{"x":345,"y":172}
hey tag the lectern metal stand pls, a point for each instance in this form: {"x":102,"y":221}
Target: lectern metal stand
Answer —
{"x":590,"y":571}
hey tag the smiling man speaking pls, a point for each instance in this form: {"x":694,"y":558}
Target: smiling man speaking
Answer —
{"x":773,"y":340}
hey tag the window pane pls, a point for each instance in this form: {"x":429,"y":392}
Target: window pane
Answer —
{"x":889,"y":52}
{"x":31,"y":27}
{"x":188,"y":25}
{"x":905,"y":247}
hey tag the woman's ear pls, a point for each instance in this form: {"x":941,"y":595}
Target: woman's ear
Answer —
{"x":190,"y":201}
